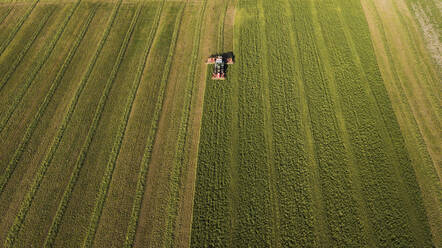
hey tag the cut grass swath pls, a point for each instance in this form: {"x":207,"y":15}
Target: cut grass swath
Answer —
{"x":5,"y":15}
{"x":50,"y":239}
{"x":31,"y":128}
{"x":44,"y":56}
{"x":23,"y":51}
{"x":178,"y":162}
{"x":19,"y":151}
{"x":17,"y":27}
{"x":141,"y":184}
{"x":104,"y":186}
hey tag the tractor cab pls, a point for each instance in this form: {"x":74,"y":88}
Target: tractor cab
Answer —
{"x":219,"y":69}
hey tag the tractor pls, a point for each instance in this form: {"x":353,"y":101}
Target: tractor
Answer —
{"x":220,"y":61}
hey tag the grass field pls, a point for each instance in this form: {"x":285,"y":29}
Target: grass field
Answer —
{"x":325,"y":133}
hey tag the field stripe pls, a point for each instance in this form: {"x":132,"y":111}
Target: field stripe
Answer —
{"x":104,"y":186}
{"x":141,"y":184}
{"x":44,"y":54}
{"x":321,"y":233}
{"x":17,"y":27}
{"x":268,"y":129}
{"x":3,"y":18}
{"x":29,"y":131}
{"x":178,"y":162}
{"x":24,"y":51}
{"x":19,"y":151}
{"x":50,"y":239}
{"x":393,"y":151}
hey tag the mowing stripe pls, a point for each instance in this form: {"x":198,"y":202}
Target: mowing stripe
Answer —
{"x":17,"y":27}
{"x":104,"y":186}
{"x":322,"y":237}
{"x":136,"y":208}
{"x":3,"y":18}
{"x":23,"y":51}
{"x":44,"y":54}
{"x":13,"y":232}
{"x":53,"y":231}
{"x":19,"y":151}
{"x":268,"y":131}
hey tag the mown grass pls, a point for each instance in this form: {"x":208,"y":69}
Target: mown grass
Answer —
{"x":111,"y":231}
{"x":172,"y":33}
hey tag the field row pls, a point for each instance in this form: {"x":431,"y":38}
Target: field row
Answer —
{"x":83,"y":87}
{"x":301,"y":145}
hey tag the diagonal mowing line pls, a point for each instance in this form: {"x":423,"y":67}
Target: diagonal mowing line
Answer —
{"x":136,"y":208}
{"x":182,"y":134}
{"x":17,"y":27}
{"x":31,"y":128}
{"x":19,"y":151}
{"x":45,"y":54}
{"x":24,"y":51}
{"x":53,"y":231}
{"x":104,"y":186}
{"x":3,"y":18}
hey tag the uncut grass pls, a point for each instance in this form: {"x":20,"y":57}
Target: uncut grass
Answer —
{"x":367,"y":135}
{"x":111,"y":231}
{"x":426,"y":175}
{"x":81,"y":203}
{"x":9,"y":91}
{"x":292,"y":179}
{"x":342,"y":220}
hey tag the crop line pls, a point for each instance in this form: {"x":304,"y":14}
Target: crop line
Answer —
{"x":178,"y":161}
{"x":104,"y":186}
{"x":45,"y":53}
{"x":268,"y":129}
{"x":19,"y":151}
{"x":3,"y":18}
{"x":318,"y":202}
{"x":23,"y":51}
{"x":50,"y":239}
{"x":17,"y":27}
{"x":136,"y":208}
{"x":13,"y":232}
{"x":352,"y":173}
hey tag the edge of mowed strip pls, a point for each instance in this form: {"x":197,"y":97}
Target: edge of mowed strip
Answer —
{"x":104,"y":186}
{"x":178,"y":161}
{"x":24,"y":51}
{"x":6,"y":14}
{"x":44,"y":55}
{"x":17,"y":27}
{"x":144,"y":167}
{"x":28,"y":200}
{"x":48,"y":50}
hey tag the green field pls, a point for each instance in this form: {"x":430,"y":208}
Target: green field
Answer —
{"x":325,"y":133}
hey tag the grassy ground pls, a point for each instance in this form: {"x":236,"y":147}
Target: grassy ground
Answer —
{"x":325,"y":132}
